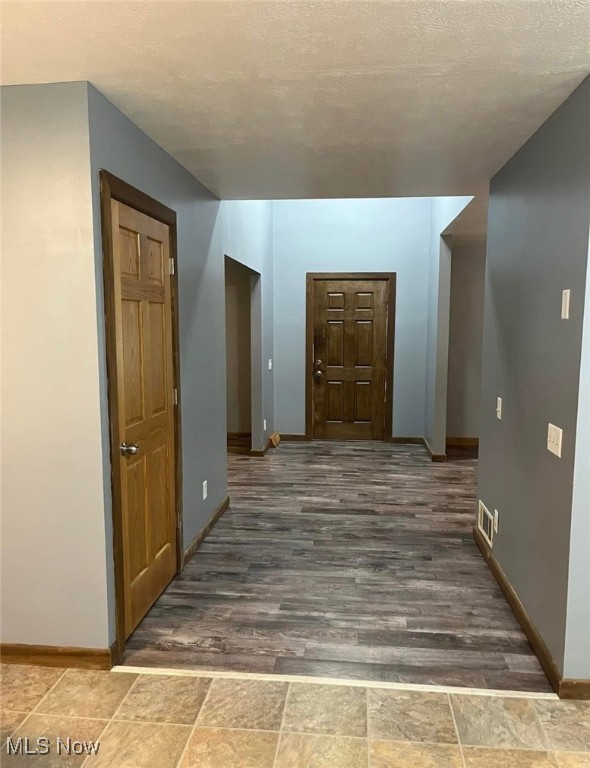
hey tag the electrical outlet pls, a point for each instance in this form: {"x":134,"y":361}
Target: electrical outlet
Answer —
{"x":499,"y":408}
{"x":565,"y":304}
{"x":264,"y":425}
{"x":204,"y":490}
{"x":270,"y":363}
{"x":554,"y":437}
{"x":496,"y":521}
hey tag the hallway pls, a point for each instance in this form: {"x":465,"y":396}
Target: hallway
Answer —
{"x":343,"y":560}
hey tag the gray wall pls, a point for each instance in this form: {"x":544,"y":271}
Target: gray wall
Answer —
{"x":465,"y":338}
{"x":55,"y":138}
{"x":355,"y":236}
{"x":53,"y":578}
{"x":117,"y":145}
{"x":237,"y":342}
{"x":537,"y":246}
{"x":207,"y":230}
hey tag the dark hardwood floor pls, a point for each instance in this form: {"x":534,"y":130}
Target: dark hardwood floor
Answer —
{"x":351,"y":560}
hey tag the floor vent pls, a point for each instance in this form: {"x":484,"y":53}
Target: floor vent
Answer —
{"x":485,"y":523}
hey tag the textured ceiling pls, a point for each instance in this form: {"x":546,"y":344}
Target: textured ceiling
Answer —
{"x":316,"y":99}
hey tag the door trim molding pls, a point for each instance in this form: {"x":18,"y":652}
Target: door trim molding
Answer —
{"x":113,"y":188}
{"x":310,"y":280}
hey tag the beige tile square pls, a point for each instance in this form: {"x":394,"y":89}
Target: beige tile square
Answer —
{"x":481,"y":757}
{"x":297,"y":750}
{"x":87,"y":693}
{"x":141,"y":745}
{"x":52,"y":754}
{"x":334,"y":709}
{"x":230,"y":748}
{"x":410,"y":716}
{"x":401,"y":754}
{"x":566,"y":723}
{"x":495,"y":721}
{"x":165,"y":699}
{"x":9,"y":722}
{"x":255,"y":704}
{"x":573,"y":759}
{"x":22,"y":687}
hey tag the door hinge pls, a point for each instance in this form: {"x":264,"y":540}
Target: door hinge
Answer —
{"x":171,"y":265}
{"x":175,"y":396}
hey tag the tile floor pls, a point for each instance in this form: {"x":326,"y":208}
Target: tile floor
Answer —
{"x":189,"y":721}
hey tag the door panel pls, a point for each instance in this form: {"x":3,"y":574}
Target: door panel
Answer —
{"x":335,"y":343}
{"x":143,"y":313}
{"x":349,"y":327}
{"x":157,"y":358}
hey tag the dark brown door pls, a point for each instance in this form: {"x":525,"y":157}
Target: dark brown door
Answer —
{"x":349,"y":365}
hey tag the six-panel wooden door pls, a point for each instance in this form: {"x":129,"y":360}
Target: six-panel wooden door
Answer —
{"x":145,"y":395}
{"x":349,"y":365}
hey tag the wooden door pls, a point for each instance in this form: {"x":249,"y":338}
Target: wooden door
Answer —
{"x":350,"y":376}
{"x":145,"y":399}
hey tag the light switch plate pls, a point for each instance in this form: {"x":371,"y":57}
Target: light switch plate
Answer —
{"x":565,"y":304}
{"x":499,"y":408}
{"x":554,"y":437}
{"x":270,"y":363}
{"x":496,"y":520}
{"x":204,"y":490}
{"x":264,"y":425}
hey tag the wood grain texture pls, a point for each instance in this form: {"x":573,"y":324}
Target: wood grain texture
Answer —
{"x":457,"y":442}
{"x":120,"y":264}
{"x":239,"y":442}
{"x":351,"y":560}
{"x":350,"y":331}
{"x":145,"y":392}
{"x":58,"y":656}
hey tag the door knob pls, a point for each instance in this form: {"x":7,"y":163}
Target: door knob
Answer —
{"x":128,"y":449}
{"x":318,"y":375}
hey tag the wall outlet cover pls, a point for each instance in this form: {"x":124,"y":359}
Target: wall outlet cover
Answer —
{"x":204,"y":490}
{"x":499,"y":408}
{"x":554,"y":438}
{"x":485,"y":523}
{"x":270,"y":363}
{"x":496,"y":521}
{"x":264,"y":425}
{"x":565,"y":304}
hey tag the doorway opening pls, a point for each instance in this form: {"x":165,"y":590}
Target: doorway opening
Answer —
{"x":465,"y":349}
{"x":238,"y":332}
{"x":246,"y":425}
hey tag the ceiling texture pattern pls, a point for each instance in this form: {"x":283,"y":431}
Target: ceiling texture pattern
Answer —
{"x":290,"y":99}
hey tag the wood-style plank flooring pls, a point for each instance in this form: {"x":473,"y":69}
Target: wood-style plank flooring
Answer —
{"x":349,"y":560}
